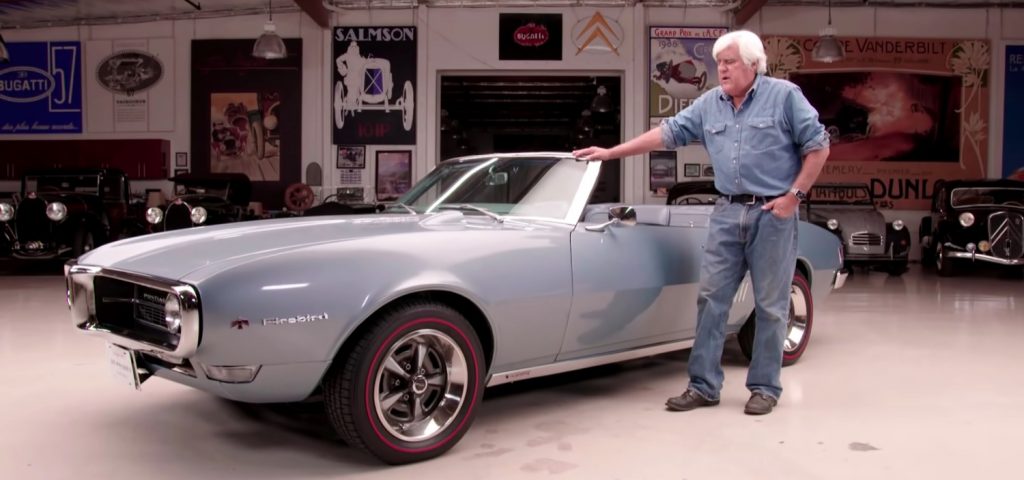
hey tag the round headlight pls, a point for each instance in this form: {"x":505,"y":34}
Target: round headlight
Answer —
{"x":897,"y":225}
{"x":154,"y":215}
{"x":172,"y":313}
{"x":6,"y":212}
{"x":967,"y":219}
{"x":198,"y":215}
{"x":56,"y":211}
{"x":832,"y":224}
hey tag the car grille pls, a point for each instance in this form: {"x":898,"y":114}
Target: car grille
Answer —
{"x":133,"y":310}
{"x":32,"y":223}
{"x":1006,"y":232}
{"x":177,"y":216}
{"x":865,"y":239}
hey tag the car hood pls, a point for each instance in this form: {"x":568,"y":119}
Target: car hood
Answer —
{"x":851,"y":219}
{"x":176,"y":254}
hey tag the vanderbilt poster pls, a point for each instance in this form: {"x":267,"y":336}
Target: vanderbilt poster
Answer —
{"x":903,"y":114}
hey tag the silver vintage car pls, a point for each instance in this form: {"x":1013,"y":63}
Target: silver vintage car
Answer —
{"x":848,"y":210}
{"x":492,"y":269}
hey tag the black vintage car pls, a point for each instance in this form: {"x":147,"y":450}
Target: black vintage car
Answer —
{"x":974,"y":221}
{"x":203,"y":199}
{"x":64,"y":213}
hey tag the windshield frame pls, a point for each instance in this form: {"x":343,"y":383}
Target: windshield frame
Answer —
{"x":577,"y":203}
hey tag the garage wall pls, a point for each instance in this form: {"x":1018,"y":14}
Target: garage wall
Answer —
{"x":465,"y":40}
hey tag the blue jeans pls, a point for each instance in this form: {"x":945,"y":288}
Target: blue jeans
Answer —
{"x":743,"y":237}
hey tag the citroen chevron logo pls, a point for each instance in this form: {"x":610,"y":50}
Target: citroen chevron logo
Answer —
{"x":597,"y":34}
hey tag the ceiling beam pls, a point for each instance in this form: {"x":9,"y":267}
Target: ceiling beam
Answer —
{"x":748,"y":10}
{"x":315,"y":9}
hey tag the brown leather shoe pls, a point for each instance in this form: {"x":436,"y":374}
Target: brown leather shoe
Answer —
{"x":760,"y":404}
{"x":689,"y":400}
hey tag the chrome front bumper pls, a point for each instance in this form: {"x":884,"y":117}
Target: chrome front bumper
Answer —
{"x":985,"y":258}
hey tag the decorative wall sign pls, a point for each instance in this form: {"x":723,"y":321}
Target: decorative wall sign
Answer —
{"x":1013,"y":113}
{"x":351,"y":156}
{"x":394,"y":174}
{"x":691,"y":170}
{"x":41,"y":89}
{"x":529,"y":36}
{"x":597,"y":34}
{"x":374,"y":85}
{"x":902,"y":113}
{"x":247,"y":115}
{"x":129,"y":71}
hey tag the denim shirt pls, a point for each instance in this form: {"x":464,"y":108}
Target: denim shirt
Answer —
{"x":757,"y":149}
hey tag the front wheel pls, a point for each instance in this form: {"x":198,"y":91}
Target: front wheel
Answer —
{"x":408,"y":390}
{"x":798,"y":327}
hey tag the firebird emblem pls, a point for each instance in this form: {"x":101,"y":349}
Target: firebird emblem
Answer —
{"x":295,"y":320}
{"x":240,"y":323}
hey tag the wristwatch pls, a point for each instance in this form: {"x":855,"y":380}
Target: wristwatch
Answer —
{"x":800,"y":194}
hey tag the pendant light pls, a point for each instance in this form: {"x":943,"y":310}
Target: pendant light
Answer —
{"x":270,"y":45}
{"x":828,"y":49}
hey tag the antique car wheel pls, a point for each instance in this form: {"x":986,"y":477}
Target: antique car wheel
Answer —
{"x":298,"y":196}
{"x":897,"y":268}
{"x":84,"y":241}
{"x":339,"y":105}
{"x":408,"y":390}
{"x":798,"y":328}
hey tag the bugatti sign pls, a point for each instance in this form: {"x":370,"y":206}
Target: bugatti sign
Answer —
{"x":42,"y":91}
{"x":24,"y":84}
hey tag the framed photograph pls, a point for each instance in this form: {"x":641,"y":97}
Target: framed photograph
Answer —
{"x":663,"y":171}
{"x":350,"y":195}
{"x":351,"y":156}
{"x":181,"y":159}
{"x":709,"y":171}
{"x":180,"y":171}
{"x":394,"y":174}
{"x":691,"y":170}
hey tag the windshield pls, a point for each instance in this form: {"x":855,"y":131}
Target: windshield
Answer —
{"x":986,"y":196}
{"x":840,"y":195}
{"x":63,"y":184}
{"x":513,"y":186}
{"x":182,"y":189}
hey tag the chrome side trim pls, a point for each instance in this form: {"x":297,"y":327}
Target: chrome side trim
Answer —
{"x":581,"y":363}
{"x":81,"y":296}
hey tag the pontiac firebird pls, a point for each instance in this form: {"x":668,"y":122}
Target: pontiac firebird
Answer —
{"x":493,"y":268}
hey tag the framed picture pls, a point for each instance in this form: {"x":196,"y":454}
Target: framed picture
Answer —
{"x":350,"y":195}
{"x":394,"y":174}
{"x":691,"y":170}
{"x":351,"y":156}
{"x":663,"y":171}
{"x":180,"y":171}
{"x":709,"y":171}
{"x":181,"y":159}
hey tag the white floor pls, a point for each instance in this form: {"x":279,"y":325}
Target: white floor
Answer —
{"x":910,"y":377}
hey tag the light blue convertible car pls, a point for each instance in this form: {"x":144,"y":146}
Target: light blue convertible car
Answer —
{"x":492,"y":269}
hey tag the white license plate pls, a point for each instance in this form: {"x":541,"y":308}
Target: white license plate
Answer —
{"x":122,"y":366}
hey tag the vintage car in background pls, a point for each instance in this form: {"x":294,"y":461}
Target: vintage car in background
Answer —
{"x":974,"y":221}
{"x":849,"y":211}
{"x":695,"y":192}
{"x":64,"y":213}
{"x":492,"y":269}
{"x":202,"y":199}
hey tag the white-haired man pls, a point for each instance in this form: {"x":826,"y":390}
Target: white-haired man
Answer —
{"x":767,"y":148}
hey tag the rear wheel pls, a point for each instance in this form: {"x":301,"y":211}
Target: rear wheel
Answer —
{"x":408,"y":390}
{"x":798,"y":327}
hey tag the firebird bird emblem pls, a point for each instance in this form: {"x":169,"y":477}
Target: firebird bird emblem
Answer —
{"x":295,"y":320}
{"x":240,"y":323}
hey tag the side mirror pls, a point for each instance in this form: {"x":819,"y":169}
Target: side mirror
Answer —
{"x":623,"y":215}
{"x":497,"y":178}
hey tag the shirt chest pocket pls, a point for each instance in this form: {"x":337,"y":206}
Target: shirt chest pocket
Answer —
{"x":762,"y":133}
{"x":715,"y":138}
